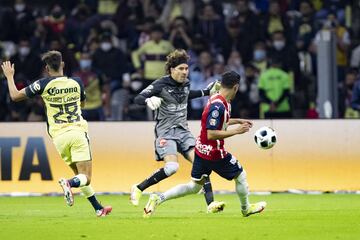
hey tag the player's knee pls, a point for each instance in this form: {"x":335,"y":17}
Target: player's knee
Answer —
{"x":195,"y":187}
{"x":242,"y":178}
{"x":88,"y":179}
{"x":171,"y":168}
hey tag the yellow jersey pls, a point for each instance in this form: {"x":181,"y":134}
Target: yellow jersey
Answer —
{"x":62,"y":97}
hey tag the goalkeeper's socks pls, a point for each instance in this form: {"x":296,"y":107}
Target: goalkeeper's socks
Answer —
{"x":158,"y":176}
{"x":209,"y":196}
{"x":94,"y":202}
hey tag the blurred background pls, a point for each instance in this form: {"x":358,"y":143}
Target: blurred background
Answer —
{"x":289,"y":67}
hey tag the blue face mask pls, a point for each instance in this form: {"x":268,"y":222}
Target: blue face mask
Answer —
{"x":85,"y":64}
{"x":259,"y":55}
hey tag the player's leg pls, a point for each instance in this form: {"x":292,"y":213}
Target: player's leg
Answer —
{"x":81,"y":164}
{"x":229,"y":168}
{"x":166,"y":150}
{"x":242,"y":190}
{"x":207,"y":187}
{"x":199,"y":170}
{"x":187,"y":144}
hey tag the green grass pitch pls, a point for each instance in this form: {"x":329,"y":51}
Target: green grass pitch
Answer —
{"x":287,"y":216}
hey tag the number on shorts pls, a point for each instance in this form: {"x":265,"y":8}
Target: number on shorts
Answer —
{"x":72,"y":115}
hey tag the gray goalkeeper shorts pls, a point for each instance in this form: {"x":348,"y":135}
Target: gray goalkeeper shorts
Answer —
{"x":173,"y":141}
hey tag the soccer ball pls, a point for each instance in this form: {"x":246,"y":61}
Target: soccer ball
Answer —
{"x":265,"y":137}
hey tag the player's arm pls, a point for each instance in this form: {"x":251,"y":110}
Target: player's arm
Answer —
{"x":212,"y":88}
{"x":9,"y":71}
{"x":215,"y":120}
{"x":149,"y":96}
{"x":233,"y":121}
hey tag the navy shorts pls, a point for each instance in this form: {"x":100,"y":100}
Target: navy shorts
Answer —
{"x":228,"y":167}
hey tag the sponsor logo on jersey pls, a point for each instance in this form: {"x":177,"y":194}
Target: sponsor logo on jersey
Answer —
{"x":54,"y":90}
{"x":203,"y":148}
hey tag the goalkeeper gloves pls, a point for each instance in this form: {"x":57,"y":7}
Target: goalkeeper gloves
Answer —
{"x":153,"y":102}
{"x":213,"y":87}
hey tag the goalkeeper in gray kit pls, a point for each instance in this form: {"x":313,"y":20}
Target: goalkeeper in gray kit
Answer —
{"x":168,"y":96}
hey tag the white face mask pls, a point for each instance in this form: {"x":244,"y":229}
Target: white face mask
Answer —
{"x":279,"y":44}
{"x":85,"y":63}
{"x":105,"y":46}
{"x":24,"y":51}
{"x":19,"y":7}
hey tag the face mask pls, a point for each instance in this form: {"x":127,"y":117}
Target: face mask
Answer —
{"x":259,"y":55}
{"x":24,"y":51}
{"x":105,"y":46}
{"x":19,"y":7}
{"x":278,"y":44}
{"x":85,"y":64}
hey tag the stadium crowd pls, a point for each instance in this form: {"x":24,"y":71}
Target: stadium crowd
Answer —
{"x":119,"y":47}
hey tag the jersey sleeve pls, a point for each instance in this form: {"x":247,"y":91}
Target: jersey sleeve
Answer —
{"x":36,"y":88}
{"x":82,"y":89}
{"x":153,"y":89}
{"x":215,"y":116}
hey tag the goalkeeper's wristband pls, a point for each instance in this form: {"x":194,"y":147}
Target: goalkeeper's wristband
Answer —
{"x":205,"y":92}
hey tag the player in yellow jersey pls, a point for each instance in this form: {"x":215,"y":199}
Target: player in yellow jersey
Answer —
{"x":63,"y":98}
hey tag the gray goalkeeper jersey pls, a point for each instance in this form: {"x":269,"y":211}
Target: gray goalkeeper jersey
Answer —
{"x":173,"y":109}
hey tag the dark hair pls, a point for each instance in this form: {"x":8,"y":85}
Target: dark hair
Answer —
{"x":175,"y":58}
{"x":230,"y":79}
{"x":52,"y":59}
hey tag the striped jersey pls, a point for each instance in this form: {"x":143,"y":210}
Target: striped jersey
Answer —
{"x":215,"y":116}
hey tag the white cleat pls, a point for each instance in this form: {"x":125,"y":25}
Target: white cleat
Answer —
{"x":215,"y":207}
{"x":149,"y":209}
{"x":68,"y":195}
{"x":135,"y":195}
{"x":254,"y":208}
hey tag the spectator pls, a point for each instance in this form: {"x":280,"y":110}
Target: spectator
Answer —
{"x":275,"y":21}
{"x":211,"y":26}
{"x":180,"y":35}
{"x":237,"y":39}
{"x":152,"y":56}
{"x":260,"y":56}
{"x":246,"y":102}
{"x":274,"y":91}
{"x":355,"y":97}
{"x":281,"y":50}
{"x":200,"y":75}
{"x":345,"y":95}
{"x":97,"y":104}
{"x":176,"y":8}
{"x":113,"y":73}
{"x":27,"y":63}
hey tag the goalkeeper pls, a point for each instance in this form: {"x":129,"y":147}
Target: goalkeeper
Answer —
{"x":169,"y":96}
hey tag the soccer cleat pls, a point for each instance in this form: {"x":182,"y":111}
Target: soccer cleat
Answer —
{"x":103,"y":212}
{"x":215,"y":207}
{"x":154,"y":201}
{"x":135,"y":195}
{"x":254,"y":208}
{"x":68,"y":195}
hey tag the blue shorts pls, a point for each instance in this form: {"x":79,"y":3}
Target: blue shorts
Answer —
{"x":228,"y":167}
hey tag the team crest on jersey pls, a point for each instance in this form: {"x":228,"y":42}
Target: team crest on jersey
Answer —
{"x":212,"y":122}
{"x":215,"y":113}
{"x":162,"y":142}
